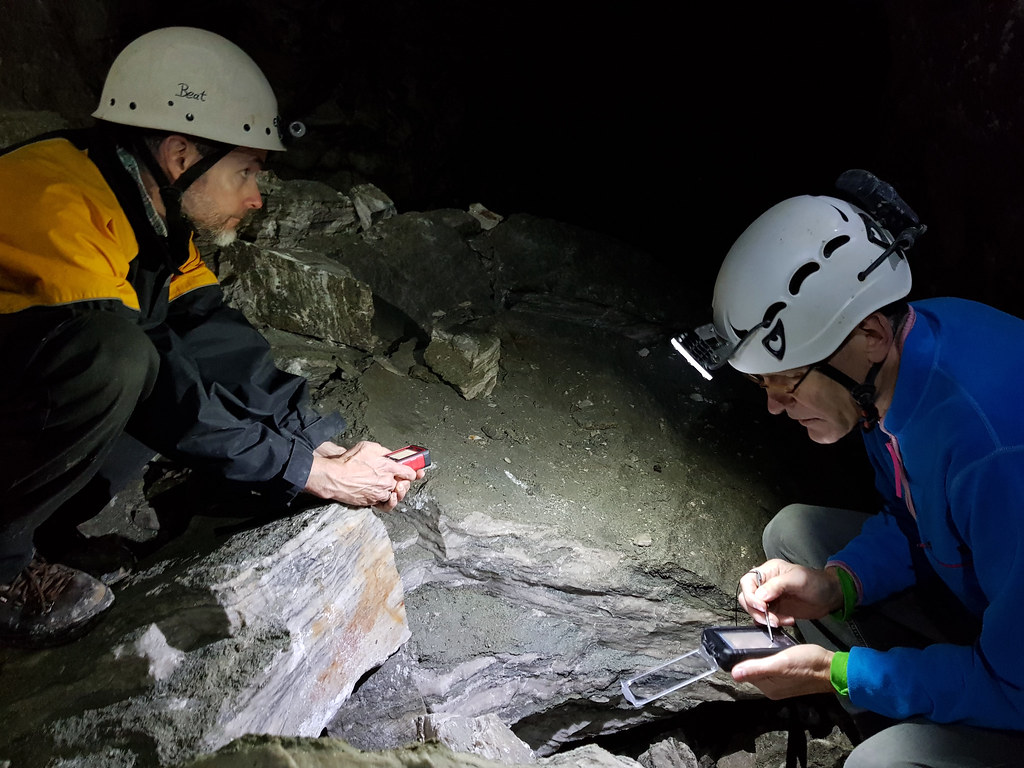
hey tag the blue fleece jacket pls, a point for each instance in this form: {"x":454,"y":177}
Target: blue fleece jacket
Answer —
{"x":950,"y":456}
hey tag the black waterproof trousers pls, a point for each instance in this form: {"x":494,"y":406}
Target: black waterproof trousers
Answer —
{"x":71,"y":384}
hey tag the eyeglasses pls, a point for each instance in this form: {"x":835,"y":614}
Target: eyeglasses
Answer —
{"x":765,"y":383}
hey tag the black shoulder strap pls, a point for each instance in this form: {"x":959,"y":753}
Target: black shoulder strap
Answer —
{"x":102,"y":148}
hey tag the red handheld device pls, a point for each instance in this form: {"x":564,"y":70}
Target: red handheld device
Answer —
{"x":413,"y":456}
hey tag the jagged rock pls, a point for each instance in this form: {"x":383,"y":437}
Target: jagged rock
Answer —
{"x":739,"y":759}
{"x":526,"y":595}
{"x":486,"y":736}
{"x":439,"y":268}
{"x":420,"y":263}
{"x":589,"y":756}
{"x":512,"y":619}
{"x":385,"y":710}
{"x":466,"y":359}
{"x":267,"y":633}
{"x":299,"y":291}
{"x":297,"y":209}
{"x":829,"y":751}
{"x":488,"y":219}
{"x":314,"y":360}
{"x":371,"y":204}
{"x":256,"y":752}
{"x":670,"y":753}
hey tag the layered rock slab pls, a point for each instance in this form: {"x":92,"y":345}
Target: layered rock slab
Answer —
{"x":266,"y":633}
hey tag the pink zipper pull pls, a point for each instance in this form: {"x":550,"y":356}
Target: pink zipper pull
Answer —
{"x":896,"y":470}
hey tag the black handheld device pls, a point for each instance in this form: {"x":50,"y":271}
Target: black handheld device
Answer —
{"x":728,"y":646}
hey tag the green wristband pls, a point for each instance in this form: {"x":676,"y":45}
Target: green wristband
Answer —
{"x":837,"y":673}
{"x":849,"y":595}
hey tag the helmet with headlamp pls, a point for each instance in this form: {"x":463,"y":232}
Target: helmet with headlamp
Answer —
{"x":799,"y":280}
{"x":193,"y":82}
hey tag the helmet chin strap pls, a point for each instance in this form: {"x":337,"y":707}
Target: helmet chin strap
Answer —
{"x":179,"y":228}
{"x":864,"y":394}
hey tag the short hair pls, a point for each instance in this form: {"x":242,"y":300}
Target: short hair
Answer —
{"x":896,"y":313}
{"x":152,"y":140}
{"x":138,"y":140}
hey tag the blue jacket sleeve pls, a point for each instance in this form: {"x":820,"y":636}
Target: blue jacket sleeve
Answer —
{"x":880,"y":559}
{"x":981,"y":684}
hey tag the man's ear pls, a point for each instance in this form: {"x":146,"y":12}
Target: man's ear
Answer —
{"x":175,"y":154}
{"x":878,"y":336}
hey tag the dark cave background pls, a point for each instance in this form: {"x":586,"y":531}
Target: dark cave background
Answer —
{"x":668,"y":127}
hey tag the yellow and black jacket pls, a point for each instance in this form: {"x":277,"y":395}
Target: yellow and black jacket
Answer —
{"x":65,"y":238}
{"x":75,"y":236}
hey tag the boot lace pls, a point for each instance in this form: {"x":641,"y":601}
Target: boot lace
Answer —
{"x":38,"y":586}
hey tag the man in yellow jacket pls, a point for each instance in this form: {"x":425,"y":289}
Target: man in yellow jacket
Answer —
{"x":115,"y":333}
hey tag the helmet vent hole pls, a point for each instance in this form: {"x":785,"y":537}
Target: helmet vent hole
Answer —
{"x":170,"y":103}
{"x":845,"y":217}
{"x":190,"y":117}
{"x":771,"y":312}
{"x":802,"y":274}
{"x":834,"y":244}
{"x":246,"y":128}
{"x":113,"y":102}
{"x":131,"y":105}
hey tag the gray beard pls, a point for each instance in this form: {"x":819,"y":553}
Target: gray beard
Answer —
{"x":223,"y":238}
{"x":220,"y":238}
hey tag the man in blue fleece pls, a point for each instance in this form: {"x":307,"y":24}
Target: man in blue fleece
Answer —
{"x":910,"y":613}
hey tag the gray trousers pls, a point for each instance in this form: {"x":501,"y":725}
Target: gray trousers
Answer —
{"x":920,"y":616}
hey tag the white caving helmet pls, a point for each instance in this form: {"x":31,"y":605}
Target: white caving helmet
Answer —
{"x":795,"y":284}
{"x":800,"y":279}
{"x":194,"y":82}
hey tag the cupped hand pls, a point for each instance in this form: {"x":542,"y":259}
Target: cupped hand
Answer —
{"x":361,"y":476}
{"x":796,"y":671}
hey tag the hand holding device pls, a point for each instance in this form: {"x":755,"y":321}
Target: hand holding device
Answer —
{"x":413,"y":456}
{"x":728,"y":646}
{"x":720,"y":648}
{"x":360,"y":476}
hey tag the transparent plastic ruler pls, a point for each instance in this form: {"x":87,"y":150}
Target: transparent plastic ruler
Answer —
{"x":670,"y":676}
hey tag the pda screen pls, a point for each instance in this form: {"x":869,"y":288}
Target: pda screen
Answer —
{"x":746,"y":640}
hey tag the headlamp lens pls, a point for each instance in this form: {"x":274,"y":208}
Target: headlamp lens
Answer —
{"x":704,"y":349}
